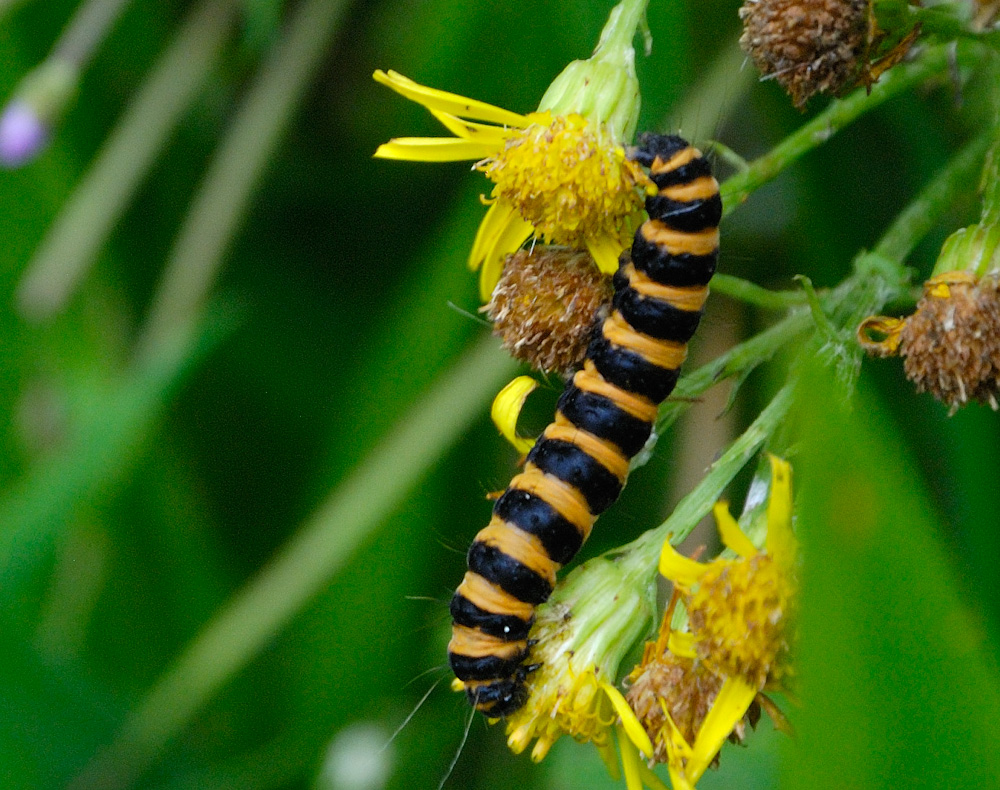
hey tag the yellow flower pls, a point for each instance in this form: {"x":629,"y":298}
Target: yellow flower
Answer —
{"x":739,"y":608}
{"x":580,"y":637}
{"x":560,"y":173}
{"x":695,"y":689}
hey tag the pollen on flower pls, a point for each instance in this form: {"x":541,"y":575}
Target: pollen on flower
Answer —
{"x":739,"y":618}
{"x":545,"y":305}
{"x":569,"y":179}
{"x":566,"y":693}
{"x":951,"y":344}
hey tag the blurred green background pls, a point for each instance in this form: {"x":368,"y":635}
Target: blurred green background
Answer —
{"x":151,"y":468}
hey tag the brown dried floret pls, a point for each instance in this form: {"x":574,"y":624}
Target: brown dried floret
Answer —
{"x":951,"y":344}
{"x":808,"y":46}
{"x":545,"y":306}
{"x":686,"y":690}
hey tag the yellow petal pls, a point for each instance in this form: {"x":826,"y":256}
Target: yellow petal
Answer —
{"x":610,"y":759}
{"x":729,"y":707}
{"x":780,"y":542}
{"x":452,"y":103}
{"x":679,"y":754}
{"x":510,"y":239}
{"x":494,"y":221}
{"x":470,"y":130}
{"x":730,"y":532}
{"x":630,"y":760}
{"x":679,"y":780}
{"x":630,"y":723}
{"x":650,"y":779}
{"x":605,"y":251}
{"x":679,"y":569}
{"x":880,"y":335}
{"x":507,"y":408}
{"x":681,"y":643}
{"x":434,"y":149}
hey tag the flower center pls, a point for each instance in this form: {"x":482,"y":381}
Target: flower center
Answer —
{"x":739,"y":619}
{"x":569,"y":179}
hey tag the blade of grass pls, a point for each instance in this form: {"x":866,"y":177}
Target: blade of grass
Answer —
{"x":318,"y":550}
{"x":115,"y":426}
{"x":81,"y":228}
{"x":236,"y":170}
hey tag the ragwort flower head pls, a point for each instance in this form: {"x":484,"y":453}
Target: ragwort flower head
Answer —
{"x":560,"y":173}
{"x":741,"y":610}
{"x":673,"y":696}
{"x":581,"y":636}
{"x":695,"y":689}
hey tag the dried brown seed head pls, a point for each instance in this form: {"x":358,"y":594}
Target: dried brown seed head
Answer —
{"x":545,"y":305}
{"x":686,"y":690}
{"x":808,"y":46}
{"x":951,"y":344}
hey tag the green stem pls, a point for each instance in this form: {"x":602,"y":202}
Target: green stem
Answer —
{"x":943,"y":24}
{"x":739,"y":359}
{"x":839,"y":114}
{"x":317,"y":551}
{"x":82,"y":226}
{"x":693,"y":508}
{"x":224,"y":196}
{"x":619,"y":31}
{"x":753,"y":294}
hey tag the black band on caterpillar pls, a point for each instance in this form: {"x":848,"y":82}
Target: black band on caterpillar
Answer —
{"x":577,"y":468}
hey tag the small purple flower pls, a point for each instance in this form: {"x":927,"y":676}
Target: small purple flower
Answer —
{"x":23,"y":134}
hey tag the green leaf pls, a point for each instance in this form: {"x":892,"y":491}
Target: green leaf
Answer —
{"x":897,"y":685}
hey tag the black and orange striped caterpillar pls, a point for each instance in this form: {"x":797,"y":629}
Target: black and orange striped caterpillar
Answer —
{"x":578,"y":467}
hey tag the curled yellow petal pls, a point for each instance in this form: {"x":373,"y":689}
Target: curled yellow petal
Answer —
{"x":630,"y":725}
{"x":494,"y":221}
{"x":730,"y":532}
{"x":630,"y":760}
{"x":681,"y":570}
{"x":434,"y":99}
{"x":651,"y":780}
{"x":605,"y":251}
{"x":679,"y":755}
{"x":729,"y":707}
{"x":681,"y":643}
{"x":433,"y":149}
{"x":879,"y":335}
{"x":511,"y":237}
{"x":780,"y":542}
{"x":507,"y":407}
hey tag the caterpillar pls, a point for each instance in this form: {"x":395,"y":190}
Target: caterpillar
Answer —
{"x":604,"y":417}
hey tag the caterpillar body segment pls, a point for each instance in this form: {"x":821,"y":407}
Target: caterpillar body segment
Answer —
{"x":578,"y":467}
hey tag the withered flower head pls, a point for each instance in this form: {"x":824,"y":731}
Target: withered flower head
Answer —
{"x":545,"y":305}
{"x":808,"y":46}
{"x":951,"y":344}
{"x":685,"y":690}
